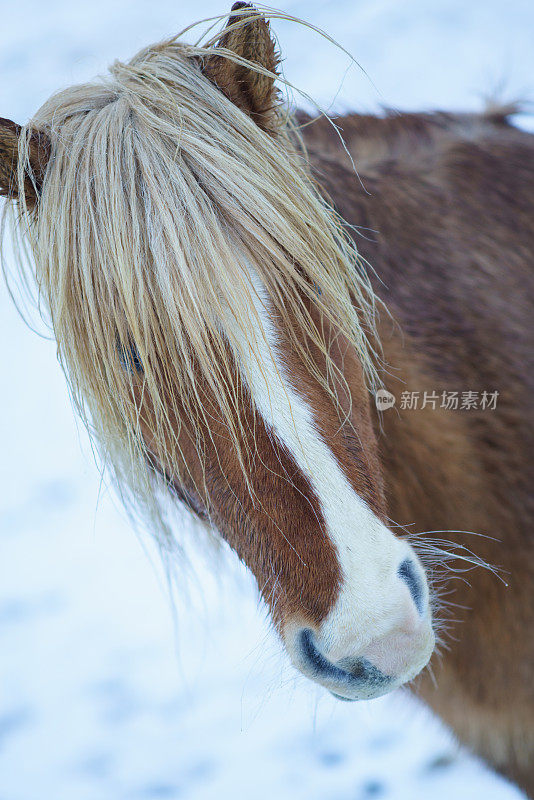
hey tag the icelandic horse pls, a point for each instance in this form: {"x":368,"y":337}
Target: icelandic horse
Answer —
{"x":195,"y":246}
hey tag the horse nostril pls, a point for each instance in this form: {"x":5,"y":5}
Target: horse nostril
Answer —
{"x":349,"y":674}
{"x":408,"y":573}
{"x":317,"y":663}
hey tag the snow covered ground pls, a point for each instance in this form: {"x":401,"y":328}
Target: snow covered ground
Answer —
{"x":102,"y":695}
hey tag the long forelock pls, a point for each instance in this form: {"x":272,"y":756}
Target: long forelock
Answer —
{"x":160,"y":196}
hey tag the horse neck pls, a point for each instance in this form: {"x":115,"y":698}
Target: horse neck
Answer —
{"x":445,"y":469}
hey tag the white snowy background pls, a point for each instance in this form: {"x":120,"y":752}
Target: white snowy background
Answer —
{"x":102,"y":695}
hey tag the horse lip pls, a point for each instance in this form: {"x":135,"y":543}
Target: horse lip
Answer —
{"x":353,"y":676}
{"x":345,"y":699}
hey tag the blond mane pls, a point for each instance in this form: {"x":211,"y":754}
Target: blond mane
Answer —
{"x":158,"y":194}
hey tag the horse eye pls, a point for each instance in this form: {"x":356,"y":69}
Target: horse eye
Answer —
{"x":129,"y":357}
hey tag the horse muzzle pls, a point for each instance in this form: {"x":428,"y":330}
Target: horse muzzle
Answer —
{"x":359,"y":660}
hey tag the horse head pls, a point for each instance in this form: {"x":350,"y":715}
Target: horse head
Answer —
{"x":216,"y":327}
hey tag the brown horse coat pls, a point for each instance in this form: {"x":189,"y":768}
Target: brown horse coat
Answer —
{"x":447,"y":222}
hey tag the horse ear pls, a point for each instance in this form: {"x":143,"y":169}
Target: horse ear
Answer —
{"x":39,"y":153}
{"x":253,"y":92}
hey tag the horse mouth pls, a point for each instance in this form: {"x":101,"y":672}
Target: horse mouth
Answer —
{"x":347,"y":679}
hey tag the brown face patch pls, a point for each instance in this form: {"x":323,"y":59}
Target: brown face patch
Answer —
{"x":278,"y":531}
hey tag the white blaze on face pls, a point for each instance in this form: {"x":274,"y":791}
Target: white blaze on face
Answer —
{"x":372,"y":601}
